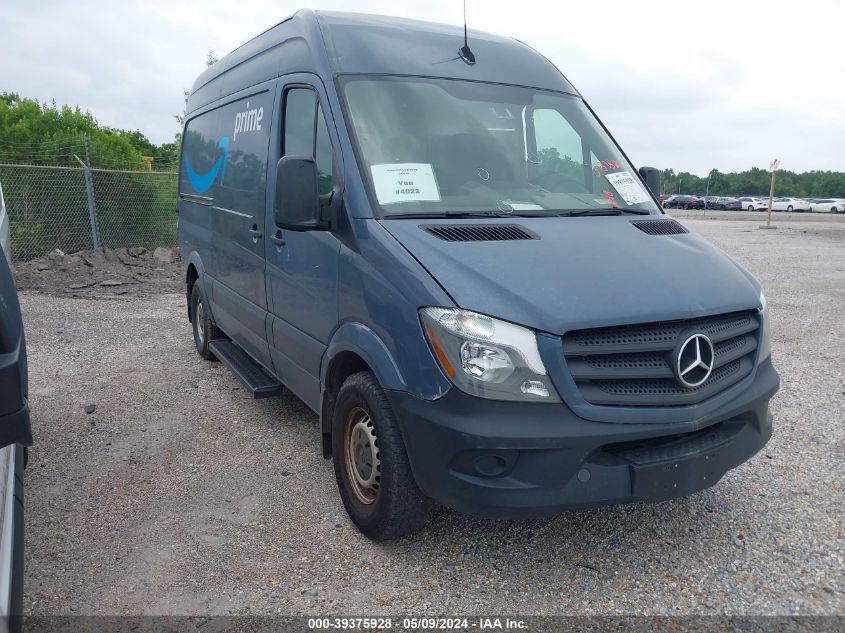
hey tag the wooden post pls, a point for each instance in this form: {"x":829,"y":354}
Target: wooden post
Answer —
{"x":774,"y":168}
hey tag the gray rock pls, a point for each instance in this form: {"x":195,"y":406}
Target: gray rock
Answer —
{"x":89,"y":407}
{"x":164,"y":255}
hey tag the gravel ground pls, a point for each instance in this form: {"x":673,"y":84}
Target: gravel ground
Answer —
{"x":180,"y":495}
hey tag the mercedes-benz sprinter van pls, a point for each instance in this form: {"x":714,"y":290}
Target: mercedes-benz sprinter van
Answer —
{"x":439,"y":248}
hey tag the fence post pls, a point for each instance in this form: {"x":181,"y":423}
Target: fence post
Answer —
{"x":92,"y":205}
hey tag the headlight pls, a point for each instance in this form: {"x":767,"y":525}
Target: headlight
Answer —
{"x":766,"y":337}
{"x":487,"y":357}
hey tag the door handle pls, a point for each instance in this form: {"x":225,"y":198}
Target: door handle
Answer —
{"x":277,"y":239}
{"x":256,"y":233}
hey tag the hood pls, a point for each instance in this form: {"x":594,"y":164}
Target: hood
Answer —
{"x":581,"y":272}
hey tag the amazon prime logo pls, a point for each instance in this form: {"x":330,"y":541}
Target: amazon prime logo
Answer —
{"x":202,"y":182}
{"x":694,"y":361}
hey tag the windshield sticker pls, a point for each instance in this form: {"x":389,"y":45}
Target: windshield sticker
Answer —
{"x":405,"y":182}
{"x":605,"y":165}
{"x":519,"y":206}
{"x":627,"y":187}
{"x":611,"y":199}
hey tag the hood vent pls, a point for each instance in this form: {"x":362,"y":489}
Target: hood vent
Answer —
{"x":478,"y":232}
{"x":660,"y":227}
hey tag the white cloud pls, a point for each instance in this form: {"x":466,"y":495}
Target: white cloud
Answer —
{"x":722,"y":84}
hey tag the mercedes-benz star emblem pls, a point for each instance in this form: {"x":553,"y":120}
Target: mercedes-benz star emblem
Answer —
{"x":694,"y":362}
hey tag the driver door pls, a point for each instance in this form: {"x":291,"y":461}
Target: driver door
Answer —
{"x":302,"y":266}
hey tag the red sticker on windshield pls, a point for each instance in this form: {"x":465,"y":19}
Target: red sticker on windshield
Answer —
{"x":605,"y":165}
{"x":611,"y":199}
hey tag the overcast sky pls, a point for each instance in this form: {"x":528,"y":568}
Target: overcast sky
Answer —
{"x":688,"y":85}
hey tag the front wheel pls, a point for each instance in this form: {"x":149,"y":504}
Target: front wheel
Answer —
{"x":371,"y":465}
{"x":789,"y":209}
{"x":751,"y":207}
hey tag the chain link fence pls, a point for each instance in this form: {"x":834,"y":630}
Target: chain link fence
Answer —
{"x":77,"y":208}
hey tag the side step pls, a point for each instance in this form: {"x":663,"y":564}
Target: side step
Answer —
{"x":251,"y":374}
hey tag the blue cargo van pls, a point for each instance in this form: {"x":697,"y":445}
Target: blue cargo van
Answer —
{"x":438,"y":247}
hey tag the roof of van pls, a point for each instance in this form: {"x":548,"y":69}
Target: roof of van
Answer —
{"x":328,"y":43}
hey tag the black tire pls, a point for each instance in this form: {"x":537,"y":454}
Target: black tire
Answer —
{"x":203,"y":328}
{"x":393,"y":506}
{"x":789,"y":209}
{"x":751,"y":207}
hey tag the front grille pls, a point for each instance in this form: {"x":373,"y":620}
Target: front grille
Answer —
{"x":632,"y":365}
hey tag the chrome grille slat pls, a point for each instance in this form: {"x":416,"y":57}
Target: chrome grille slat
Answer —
{"x":656,"y":336}
{"x":632,"y":365}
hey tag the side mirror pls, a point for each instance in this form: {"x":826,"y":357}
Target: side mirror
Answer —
{"x":296,"y":206}
{"x":651,"y":176}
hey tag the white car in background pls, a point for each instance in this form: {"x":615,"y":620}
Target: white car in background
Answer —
{"x":750,"y":203}
{"x":790,"y":204}
{"x":828,"y":205}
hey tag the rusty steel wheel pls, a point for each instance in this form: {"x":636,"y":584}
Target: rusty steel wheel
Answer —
{"x":362,"y":456}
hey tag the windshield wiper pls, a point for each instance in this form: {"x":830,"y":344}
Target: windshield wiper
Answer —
{"x":606,"y":211}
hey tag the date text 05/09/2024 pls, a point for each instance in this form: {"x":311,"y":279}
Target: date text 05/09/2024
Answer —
{"x":419,"y":624}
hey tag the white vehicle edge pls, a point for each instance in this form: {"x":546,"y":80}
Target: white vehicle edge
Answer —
{"x":828,"y":205}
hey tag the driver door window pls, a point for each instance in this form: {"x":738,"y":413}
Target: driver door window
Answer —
{"x":306,"y":134}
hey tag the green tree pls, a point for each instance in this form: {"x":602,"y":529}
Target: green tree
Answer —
{"x":32,"y":132}
{"x":756,"y":182}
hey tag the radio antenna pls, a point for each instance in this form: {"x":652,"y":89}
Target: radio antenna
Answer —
{"x":465,"y":52}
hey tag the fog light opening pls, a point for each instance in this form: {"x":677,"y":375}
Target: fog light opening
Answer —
{"x":490,"y":464}
{"x":534,"y":388}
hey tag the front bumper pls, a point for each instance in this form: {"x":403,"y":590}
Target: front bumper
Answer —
{"x":514,"y":459}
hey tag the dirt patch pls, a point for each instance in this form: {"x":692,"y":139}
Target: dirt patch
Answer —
{"x":103,"y":273}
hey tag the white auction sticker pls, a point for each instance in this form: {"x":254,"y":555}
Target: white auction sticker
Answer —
{"x":404,"y":182}
{"x":628,"y":187}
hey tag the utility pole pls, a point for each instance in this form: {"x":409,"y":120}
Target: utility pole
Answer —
{"x":707,"y":193}
{"x":774,"y":168}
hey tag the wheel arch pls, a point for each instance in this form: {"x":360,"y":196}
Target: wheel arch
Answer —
{"x":194,"y":270}
{"x":353,"y":348}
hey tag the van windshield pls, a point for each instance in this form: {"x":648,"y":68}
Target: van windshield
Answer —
{"x":442,"y":146}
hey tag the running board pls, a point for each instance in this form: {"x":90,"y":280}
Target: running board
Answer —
{"x":257,"y":381}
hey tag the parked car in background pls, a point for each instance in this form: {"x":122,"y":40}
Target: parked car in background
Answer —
{"x":683,"y":202}
{"x":14,"y":433}
{"x":708,"y":201}
{"x":750,"y":203}
{"x":724,"y":203}
{"x":790,"y":204}
{"x":828,"y":205}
